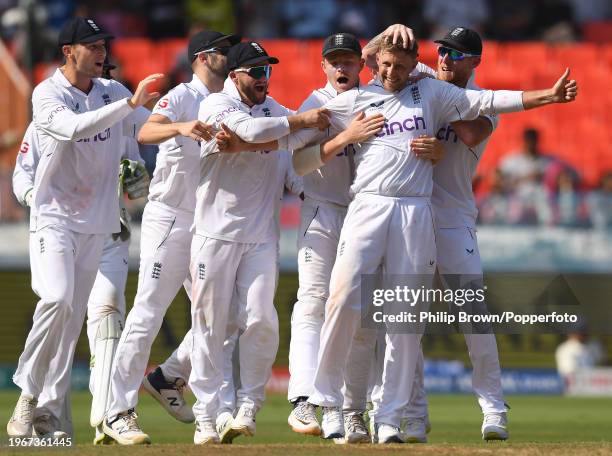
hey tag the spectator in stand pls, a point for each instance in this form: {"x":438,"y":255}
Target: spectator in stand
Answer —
{"x":599,"y":203}
{"x":578,"y":352}
{"x":526,"y":168}
{"x":493,"y":207}
{"x":566,"y":202}
{"x":524,"y":173}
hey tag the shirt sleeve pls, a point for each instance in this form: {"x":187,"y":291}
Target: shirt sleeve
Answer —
{"x":453,"y":103}
{"x":169,"y":106}
{"x":341,"y":110}
{"x":54,"y":117}
{"x":250,"y":129}
{"x":134,"y":121}
{"x":26,"y":164}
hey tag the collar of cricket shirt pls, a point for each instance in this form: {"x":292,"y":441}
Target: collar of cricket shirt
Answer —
{"x":229,"y":88}
{"x":61,"y":79}
{"x":197,"y":84}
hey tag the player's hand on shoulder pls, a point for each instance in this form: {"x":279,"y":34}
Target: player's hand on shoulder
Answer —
{"x":229,"y":142}
{"x":142,"y":95}
{"x":565,"y":90}
{"x":196,"y":130}
{"x":427,"y":148}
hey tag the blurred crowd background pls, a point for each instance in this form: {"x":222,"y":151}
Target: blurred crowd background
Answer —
{"x":523,"y":181}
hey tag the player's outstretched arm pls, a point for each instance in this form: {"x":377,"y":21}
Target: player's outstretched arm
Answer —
{"x":229,"y":142}
{"x":159,"y":129}
{"x":565,"y":90}
{"x":361,"y":128}
{"x":313,"y":118}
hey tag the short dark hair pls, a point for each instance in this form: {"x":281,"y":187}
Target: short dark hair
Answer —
{"x":386,"y":45}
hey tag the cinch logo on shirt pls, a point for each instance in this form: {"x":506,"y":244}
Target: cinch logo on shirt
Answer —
{"x":225,"y":112}
{"x":102,"y":136}
{"x":55,"y":111}
{"x":409,"y":124}
{"x":444,"y":134}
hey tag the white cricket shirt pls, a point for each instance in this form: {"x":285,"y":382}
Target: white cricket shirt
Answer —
{"x":452,"y":196}
{"x":177,"y":169}
{"x":81,"y":141}
{"x":237,"y":193}
{"x":384,"y":164}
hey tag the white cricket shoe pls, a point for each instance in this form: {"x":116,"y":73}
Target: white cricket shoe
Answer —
{"x":495,"y":426}
{"x":388,"y":434}
{"x":125,"y":430}
{"x":224,"y":423}
{"x":355,"y":429}
{"x":205,"y":433}
{"x":332,"y":424}
{"x":303,"y":419}
{"x":46,"y":425}
{"x":21,"y":422}
{"x":244,"y":422}
{"x":101,"y":438}
{"x":415,"y":430}
{"x":169,"y":395}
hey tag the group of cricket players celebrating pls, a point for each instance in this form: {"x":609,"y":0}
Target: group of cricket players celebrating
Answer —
{"x":384,"y":171}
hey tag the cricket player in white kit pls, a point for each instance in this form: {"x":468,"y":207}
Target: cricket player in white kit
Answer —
{"x":323,"y":211}
{"x":389,"y":223}
{"x":107,"y":297}
{"x":165,"y":239}
{"x":234,"y":248}
{"x":455,"y":212}
{"x":74,"y":205}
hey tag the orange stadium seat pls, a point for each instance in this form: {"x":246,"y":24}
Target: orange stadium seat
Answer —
{"x":577,"y":132}
{"x":169,"y":50}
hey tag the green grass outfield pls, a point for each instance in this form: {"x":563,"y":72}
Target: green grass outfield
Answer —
{"x":538,"y":425}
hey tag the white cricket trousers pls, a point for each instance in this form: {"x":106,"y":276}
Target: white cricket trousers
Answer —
{"x":107,"y":296}
{"x":63,"y":265}
{"x":164,"y":266}
{"x":221,"y":269}
{"x":397,"y":234}
{"x":318,"y":236}
{"x":458,"y":255}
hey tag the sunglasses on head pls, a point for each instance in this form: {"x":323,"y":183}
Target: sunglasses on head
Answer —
{"x":454,"y":54}
{"x":256,"y":72}
{"x":221,"y":50}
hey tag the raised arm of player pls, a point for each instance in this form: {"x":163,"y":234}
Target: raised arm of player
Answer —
{"x":394,"y":31}
{"x":564,"y":91}
{"x":159,"y":129}
{"x":52,"y":115}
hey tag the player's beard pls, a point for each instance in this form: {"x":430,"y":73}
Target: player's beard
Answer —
{"x":254,"y":96}
{"x":218,"y":67}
